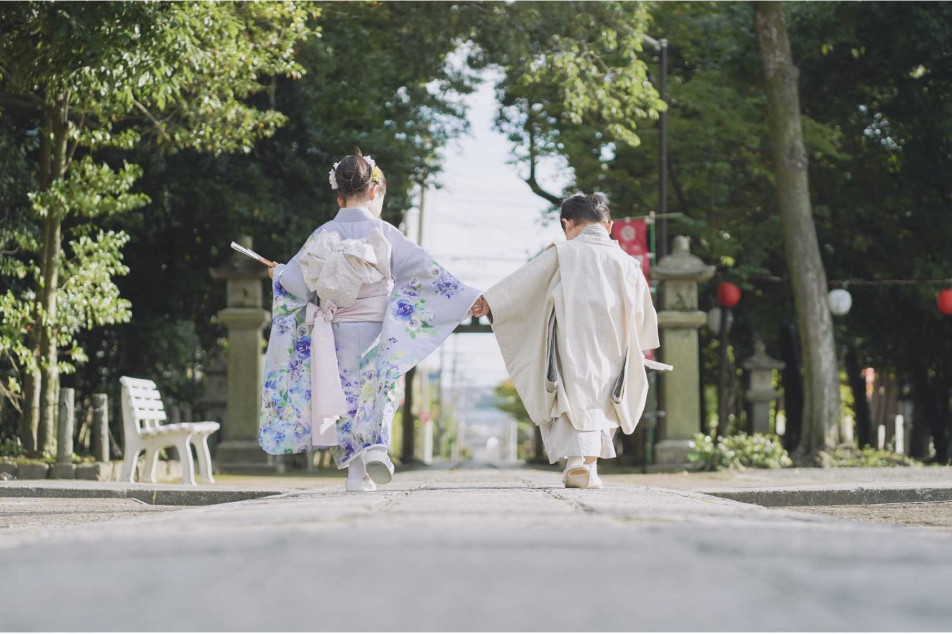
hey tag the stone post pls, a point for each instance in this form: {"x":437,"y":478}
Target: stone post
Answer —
{"x":64,"y":426}
{"x":63,"y":469}
{"x":244,"y":318}
{"x":679,"y":320}
{"x":760,"y":369}
{"x":101,"y":427}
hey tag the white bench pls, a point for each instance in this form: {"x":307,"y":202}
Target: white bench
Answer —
{"x":142,"y":416}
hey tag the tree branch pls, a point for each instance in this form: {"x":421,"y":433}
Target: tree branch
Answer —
{"x":156,"y":122}
{"x":69,"y":158}
{"x":676,"y":184}
{"x":531,"y":181}
{"x":28,"y":101}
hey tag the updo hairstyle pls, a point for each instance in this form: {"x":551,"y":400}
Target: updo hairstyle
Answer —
{"x":354,"y":176}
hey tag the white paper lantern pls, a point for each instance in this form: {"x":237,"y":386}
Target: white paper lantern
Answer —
{"x":840,"y":301}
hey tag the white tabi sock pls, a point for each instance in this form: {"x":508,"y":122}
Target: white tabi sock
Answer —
{"x":574,"y":461}
{"x":357,"y":469}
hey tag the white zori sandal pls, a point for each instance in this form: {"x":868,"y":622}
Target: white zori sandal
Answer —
{"x":357,"y":478}
{"x":576,"y":474}
{"x":379,"y":467}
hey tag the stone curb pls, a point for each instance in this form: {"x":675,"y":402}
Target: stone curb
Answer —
{"x":836,"y":496}
{"x":170,"y":495}
{"x":100,"y":471}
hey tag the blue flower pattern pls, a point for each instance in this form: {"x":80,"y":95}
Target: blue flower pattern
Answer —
{"x":424,"y":309}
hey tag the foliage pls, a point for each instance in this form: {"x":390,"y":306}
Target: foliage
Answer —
{"x":509,"y":401}
{"x":876,"y":117}
{"x":96,"y":80}
{"x":571,"y":70}
{"x":845,"y":456}
{"x":11,"y":448}
{"x":378,"y":78}
{"x":738,"y":452}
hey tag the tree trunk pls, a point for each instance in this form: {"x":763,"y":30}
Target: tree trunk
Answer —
{"x":941,"y":432}
{"x":821,"y":421}
{"x":30,"y":414}
{"x":792,"y":380}
{"x":723,"y":378}
{"x":864,"y":421}
{"x":46,"y":431}
{"x":49,"y":287}
{"x":924,"y":412}
{"x":30,"y":420}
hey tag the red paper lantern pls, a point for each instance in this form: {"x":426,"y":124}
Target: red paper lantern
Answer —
{"x":728,"y":295}
{"x":944,"y":300}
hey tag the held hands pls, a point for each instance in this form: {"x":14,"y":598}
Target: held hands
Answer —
{"x":480,"y":308}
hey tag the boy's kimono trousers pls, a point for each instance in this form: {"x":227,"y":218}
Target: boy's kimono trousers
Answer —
{"x":572,"y":325}
{"x":397,"y":321}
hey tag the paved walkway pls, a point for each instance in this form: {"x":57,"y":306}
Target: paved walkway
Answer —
{"x":476,"y":550}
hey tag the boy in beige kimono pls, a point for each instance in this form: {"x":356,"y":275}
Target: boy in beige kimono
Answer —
{"x":572,"y":325}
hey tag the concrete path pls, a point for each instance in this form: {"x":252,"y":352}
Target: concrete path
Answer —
{"x":477,"y":550}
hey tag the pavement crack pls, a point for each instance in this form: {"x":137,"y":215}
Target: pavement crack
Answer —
{"x":579,"y":506}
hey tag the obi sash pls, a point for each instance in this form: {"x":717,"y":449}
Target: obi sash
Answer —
{"x":328,"y":402}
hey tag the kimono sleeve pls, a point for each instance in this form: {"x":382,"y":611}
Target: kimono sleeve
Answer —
{"x":290,"y":291}
{"x":284,"y":425}
{"x":523,"y":308}
{"x":427,"y":303}
{"x":646,"y":319}
{"x":407,"y":259}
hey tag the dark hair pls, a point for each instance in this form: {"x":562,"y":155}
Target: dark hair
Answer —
{"x":584,"y":208}
{"x":354,"y":175}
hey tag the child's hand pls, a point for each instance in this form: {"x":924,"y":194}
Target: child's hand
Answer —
{"x":271,"y":270}
{"x":480,"y":308}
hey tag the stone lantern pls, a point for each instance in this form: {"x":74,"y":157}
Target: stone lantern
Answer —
{"x":244,"y":318}
{"x":761,"y":393}
{"x":679,"y":320}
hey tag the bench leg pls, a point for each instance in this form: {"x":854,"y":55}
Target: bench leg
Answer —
{"x":130,"y":458}
{"x":204,"y":459}
{"x":188,"y":465}
{"x":151,"y":458}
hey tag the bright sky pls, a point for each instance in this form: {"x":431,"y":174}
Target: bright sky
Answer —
{"x":484,"y":223}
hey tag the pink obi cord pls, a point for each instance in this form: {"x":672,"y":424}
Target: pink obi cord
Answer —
{"x":328,"y":402}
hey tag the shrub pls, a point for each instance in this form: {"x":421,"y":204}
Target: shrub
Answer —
{"x":11,"y":448}
{"x":739,"y":452}
{"x":870,"y":457}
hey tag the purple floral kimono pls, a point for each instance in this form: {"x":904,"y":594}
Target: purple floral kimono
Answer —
{"x":424,"y":307}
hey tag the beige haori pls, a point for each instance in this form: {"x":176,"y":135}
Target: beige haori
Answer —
{"x":572,"y":325}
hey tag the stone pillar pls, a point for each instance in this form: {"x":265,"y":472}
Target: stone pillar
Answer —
{"x":101,"y":427}
{"x":760,"y":369}
{"x":679,"y":320}
{"x":64,"y":426}
{"x":64,"y":469}
{"x":244,"y":318}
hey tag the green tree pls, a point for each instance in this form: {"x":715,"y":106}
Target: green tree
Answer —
{"x":574,"y":78}
{"x":100,"y":78}
{"x":508,"y":401}
{"x":821,"y":420}
{"x":880,"y":76}
{"x":376,"y":77}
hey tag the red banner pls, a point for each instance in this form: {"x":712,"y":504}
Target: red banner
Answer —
{"x":632,"y":236}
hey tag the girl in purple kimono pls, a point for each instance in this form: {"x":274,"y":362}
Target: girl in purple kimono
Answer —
{"x":357,"y":307}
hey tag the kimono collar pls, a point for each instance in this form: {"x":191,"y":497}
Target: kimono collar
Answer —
{"x":354,"y":214}
{"x":595,"y":234}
